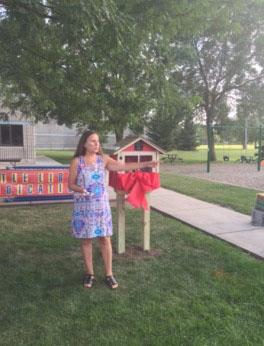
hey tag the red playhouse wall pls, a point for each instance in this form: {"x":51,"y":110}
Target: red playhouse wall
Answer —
{"x":146,"y":147}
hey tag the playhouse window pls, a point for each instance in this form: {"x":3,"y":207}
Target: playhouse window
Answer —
{"x":138,"y":146}
{"x":11,"y":135}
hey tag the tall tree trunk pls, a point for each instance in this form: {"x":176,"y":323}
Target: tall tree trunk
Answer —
{"x":119,"y":133}
{"x":210,"y":135}
{"x":245,"y":137}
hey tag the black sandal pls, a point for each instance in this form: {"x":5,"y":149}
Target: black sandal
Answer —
{"x":88,"y":280}
{"x":111,"y":282}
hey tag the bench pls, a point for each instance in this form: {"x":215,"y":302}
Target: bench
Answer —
{"x":246,"y":159}
{"x":172,"y":158}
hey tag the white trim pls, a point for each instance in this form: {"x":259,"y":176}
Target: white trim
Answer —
{"x":138,"y":139}
{"x":10,"y":122}
{"x":136,"y":153}
{"x":154,"y":156}
{"x":121,"y":157}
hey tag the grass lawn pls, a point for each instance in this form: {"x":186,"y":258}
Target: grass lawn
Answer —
{"x":200,"y":154}
{"x":194,"y":290}
{"x":62,"y":156}
{"x":238,"y":198}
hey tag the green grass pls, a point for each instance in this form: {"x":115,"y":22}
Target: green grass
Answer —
{"x":199,"y":155}
{"x":198,"y":291}
{"x":234,"y":152}
{"x":238,"y":198}
{"x":62,"y":156}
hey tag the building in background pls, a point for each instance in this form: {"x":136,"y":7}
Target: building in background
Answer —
{"x":20,"y":138}
{"x":55,"y":137}
{"x":17,"y":141}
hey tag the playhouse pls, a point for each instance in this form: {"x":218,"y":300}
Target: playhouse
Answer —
{"x":137,"y":149}
{"x":136,"y":185}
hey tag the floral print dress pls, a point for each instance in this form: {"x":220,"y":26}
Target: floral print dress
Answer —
{"x":91,"y":214}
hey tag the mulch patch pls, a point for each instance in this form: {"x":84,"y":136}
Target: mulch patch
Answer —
{"x":137,"y":253}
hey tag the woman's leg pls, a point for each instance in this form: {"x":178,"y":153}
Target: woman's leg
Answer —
{"x":106,"y":250}
{"x":87,"y":251}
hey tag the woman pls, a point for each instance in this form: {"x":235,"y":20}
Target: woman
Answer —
{"x":92,"y":214}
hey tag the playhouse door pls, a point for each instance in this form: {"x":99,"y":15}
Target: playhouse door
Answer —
{"x":132,"y":158}
{"x":145,"y":158}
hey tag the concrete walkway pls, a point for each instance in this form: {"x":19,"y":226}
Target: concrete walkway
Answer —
{"x":223,"y":223}
{"x":40,"y":161}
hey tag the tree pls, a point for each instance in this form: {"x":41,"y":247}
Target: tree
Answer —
{"x":85,"y":62}
{"x":49,"y":58}
{"x":250,"y":112}
{"x":250,"y":103}
{"x":224,"y":57}
{"x":187,"y":137}
{"x":93,"y":62}
{"x":170,"y":109}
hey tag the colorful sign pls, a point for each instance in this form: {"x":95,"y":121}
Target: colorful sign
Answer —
{"x":34,"y":184}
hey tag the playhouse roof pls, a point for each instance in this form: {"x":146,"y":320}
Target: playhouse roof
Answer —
{"x":130,"y":140}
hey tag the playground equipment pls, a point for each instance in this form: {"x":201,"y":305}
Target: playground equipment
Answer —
{"x":260,"y":148}
{"x":259,"y":155}
{"x":247,"y":159}
{"x":232,"y":135}
{"x":172,"y":158}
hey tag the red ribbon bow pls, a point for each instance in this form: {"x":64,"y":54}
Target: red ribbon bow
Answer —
{"x":136,"y":184}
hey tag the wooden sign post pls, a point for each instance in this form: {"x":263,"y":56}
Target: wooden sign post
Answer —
{"x":121,"y":223}
{"x":146,"y":225}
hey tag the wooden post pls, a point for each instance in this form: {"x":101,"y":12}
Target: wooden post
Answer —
{"x":121,"y":231}
{"x":146,"y":225}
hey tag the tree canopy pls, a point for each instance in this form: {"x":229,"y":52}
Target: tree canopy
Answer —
{"x":108,"y":64}
{"x":225,"y":56}
{"x":84,"y":62}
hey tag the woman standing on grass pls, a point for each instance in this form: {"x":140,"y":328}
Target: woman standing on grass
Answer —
{"x":92,"y":214}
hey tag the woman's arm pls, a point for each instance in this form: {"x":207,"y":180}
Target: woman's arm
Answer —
{"x":73,"y":177}
{"x":113,"y":165}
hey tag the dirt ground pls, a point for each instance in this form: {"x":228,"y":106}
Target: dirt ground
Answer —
{"x":239,"y":174}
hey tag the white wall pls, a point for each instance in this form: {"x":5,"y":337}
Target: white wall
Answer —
{"x":25,"y":152}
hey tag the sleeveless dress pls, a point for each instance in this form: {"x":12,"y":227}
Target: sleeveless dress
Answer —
{"x":91,"y":214}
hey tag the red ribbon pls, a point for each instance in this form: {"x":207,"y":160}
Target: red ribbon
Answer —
{"x":136,"y":185}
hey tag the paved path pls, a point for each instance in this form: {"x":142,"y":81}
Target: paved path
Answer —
{"x":223,"y":223}
{"x":43,"y":161}
{"x":40,"y":161}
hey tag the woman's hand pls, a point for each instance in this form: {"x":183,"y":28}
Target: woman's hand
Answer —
{"x":85,"y":192}
{"x":113,"y":165}
{"x":152,"y":164}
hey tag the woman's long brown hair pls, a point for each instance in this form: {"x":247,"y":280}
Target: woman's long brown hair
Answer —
{"x":80,"y":150}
